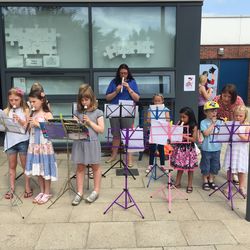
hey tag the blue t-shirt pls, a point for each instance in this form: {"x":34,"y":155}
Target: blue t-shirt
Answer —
{"x":124,"y":95}
{"x":207,"y":145}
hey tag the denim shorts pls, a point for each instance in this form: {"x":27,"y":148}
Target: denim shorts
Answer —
{"x":21,"y":148}
{"x":210,"y":162}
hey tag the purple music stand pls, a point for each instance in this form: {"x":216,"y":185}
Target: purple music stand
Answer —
{"x":120,"y":111}
{"x":127,"y":135}
{"x":228,"y":133}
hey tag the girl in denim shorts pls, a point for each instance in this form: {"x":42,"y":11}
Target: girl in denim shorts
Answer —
{"x":15,"y":143}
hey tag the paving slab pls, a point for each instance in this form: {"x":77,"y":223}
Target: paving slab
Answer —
{"x":206,"y":233}
{"x":111,"y":235}
{"x":15,"y":235}
{"x":159,"y":233}
{"x":240,"y":229}
{"x":63,"y":236}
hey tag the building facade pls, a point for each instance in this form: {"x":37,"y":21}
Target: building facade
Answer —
{"x":62,"y":44}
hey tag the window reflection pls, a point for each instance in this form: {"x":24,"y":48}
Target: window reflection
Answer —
{"x":41,"y":37}
{"x":142,"y":35}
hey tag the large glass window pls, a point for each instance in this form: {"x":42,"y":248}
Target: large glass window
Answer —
{"x":148,"y":83}
{"x":46,"y":37}
{"x":144,"y":36}
{"x":52,"y":85}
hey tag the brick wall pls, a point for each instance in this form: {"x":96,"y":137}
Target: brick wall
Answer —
{"x":230,"y":52}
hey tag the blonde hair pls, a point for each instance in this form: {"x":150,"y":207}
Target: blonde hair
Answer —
{"x":241,"y":109}
{"x":85,"y":91}
{"x":158,"y":94}
{"x":36,"y":85}
{"x":20,"y":93}
{"x":202,"y":79}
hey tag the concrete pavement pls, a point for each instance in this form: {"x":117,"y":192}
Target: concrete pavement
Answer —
{"x":201,"y":222}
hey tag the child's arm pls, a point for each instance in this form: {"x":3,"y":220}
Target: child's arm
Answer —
{"x":210,"y":129}
{"x":48,"y":116}
{"x":193,"y":137}
{"x":97,"y":127}
{"x":245,"y":136}
{"x":167,"y":116}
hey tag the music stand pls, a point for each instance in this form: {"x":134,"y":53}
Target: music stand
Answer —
{"x":228,"y":133}
{"x":175,"y":135}
{"x":119,"y":111}
{"x":64,"y":129}
{"x":158,"y":135}
{"x":8,"y":125}
{"x":130,"y":137}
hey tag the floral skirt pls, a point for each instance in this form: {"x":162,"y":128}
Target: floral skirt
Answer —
{"x":184,"y":157}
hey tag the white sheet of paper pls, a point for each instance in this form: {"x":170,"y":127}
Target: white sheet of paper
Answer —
{"x":128,"y":109}
{"x":159,"y":132}
{"x":161,"y":111}
{"x":221,"y":133}
{"x":176,"y":133}
{"x":8,"y":125}
{"x":136,"y":140}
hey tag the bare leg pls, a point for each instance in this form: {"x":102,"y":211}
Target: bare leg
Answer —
{"x":47,"y":184}
{"x":12,"y":168}
{"x":178,"y":178}
{"x":190,"y":178}
{"x":115,"y":145}
{"x":97,"y":177}
{"x":242,"y":180}
{"x":80,"y":177}
{"x":41,"y":184}
{"x":22,"y":158}
{"x":130,"y":159}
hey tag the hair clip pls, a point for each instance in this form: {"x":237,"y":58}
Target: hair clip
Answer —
{"x":42,"y":94}
{"x":20,"y":91}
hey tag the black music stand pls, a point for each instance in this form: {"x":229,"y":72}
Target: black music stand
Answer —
{"x":64,"y":130}
{"x":8,"y":125}
{"x":228,"y":132}
{"x":119,"y":112}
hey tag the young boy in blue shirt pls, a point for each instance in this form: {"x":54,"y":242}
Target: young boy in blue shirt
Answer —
{"x":210,"y":151}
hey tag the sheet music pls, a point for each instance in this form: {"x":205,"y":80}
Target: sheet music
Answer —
{"x":176,"y":132}
{"x":128,"y":109}
{"x":159,"y":132}
{"x":158,"y":111}
{"x":135,"y":140}
{"x":7,"y":124}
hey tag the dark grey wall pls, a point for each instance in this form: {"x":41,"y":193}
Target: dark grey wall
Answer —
{"x":187,"y":55}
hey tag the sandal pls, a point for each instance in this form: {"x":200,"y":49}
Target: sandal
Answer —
{"x":206,"y":186}
{"x":213,"y":186}
{"x":9,"y":195}
{"x":44,"y":199}
{"x":177,"y":185}
{"x":28,"y":194}
{"x":189,"y":190}
{"x":37,"y":198}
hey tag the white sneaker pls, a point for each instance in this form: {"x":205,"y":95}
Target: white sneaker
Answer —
{"x":92,"y":197}
{"x":77,"y":199}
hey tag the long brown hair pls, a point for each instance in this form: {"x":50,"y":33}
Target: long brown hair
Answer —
{"x":39,"y":94}
{"x":85,"y":91}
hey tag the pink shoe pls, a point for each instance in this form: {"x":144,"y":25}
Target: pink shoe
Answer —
{"x":37,"y":198}
{"x":44,"y":199}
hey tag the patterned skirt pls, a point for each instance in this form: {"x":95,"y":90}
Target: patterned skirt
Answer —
{"x":184,"y":157}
